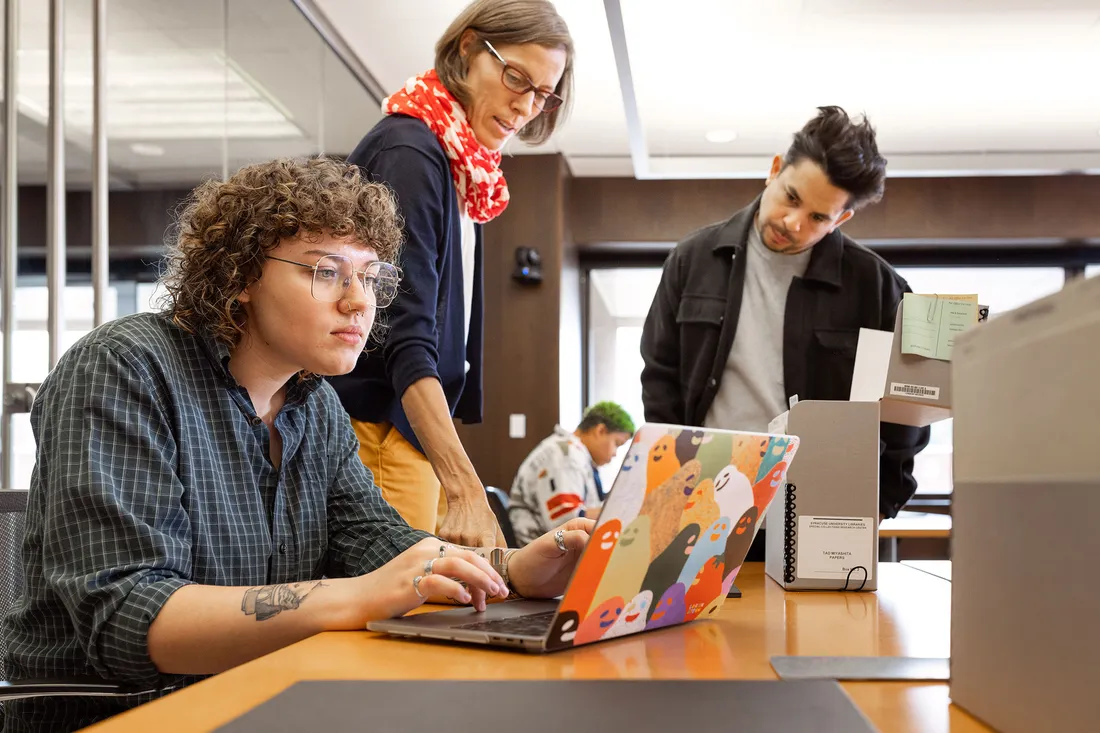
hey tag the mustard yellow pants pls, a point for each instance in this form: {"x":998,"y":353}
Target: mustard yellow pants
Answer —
{"x":403,"y":473}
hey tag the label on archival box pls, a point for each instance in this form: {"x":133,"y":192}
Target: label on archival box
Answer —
{"x":830,"y":547}
{"x":914,"y":390}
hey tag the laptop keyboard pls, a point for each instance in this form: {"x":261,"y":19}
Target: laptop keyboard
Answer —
{"x":536,"y":624}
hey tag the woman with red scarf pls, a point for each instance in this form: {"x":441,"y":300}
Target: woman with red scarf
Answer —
{"x":503,"y":69}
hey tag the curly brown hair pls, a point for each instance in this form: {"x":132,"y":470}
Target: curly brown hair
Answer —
{"x":225,"y":228}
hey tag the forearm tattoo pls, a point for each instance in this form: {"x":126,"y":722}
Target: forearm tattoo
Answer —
{"x":271,"y":600}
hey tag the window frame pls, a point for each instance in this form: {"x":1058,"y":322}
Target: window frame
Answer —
{"x":1072,"y":255}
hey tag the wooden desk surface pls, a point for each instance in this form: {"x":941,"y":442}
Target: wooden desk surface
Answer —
{"x":914,"y":524}
{"x":908,"y":616}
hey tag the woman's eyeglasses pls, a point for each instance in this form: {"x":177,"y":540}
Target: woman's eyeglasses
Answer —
{"x":332,"y":276}
{"x":518,"y":82}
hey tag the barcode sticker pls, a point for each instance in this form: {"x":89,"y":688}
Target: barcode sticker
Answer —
{"x":914,"y":390}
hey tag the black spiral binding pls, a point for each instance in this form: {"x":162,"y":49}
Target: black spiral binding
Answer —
{"x":789,"y":531}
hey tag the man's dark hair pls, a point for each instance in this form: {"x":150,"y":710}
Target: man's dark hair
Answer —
{"x":609,"y":414}
{"x":846,"y":151}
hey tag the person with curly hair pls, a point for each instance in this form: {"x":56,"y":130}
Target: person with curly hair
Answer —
{"x":558,"y":481}
{"x":503,"y":70}
{"x":197,"y":499}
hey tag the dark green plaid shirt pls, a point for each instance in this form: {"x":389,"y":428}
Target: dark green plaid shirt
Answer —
{"x":152,"y":472}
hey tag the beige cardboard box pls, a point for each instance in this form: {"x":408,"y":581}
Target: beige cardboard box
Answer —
{"x":1025,"y":640}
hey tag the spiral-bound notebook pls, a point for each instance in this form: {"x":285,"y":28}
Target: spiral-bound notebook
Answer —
{"x":825,"y":518}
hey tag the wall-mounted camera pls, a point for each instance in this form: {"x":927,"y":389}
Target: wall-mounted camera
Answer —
{"x":528,"y":266}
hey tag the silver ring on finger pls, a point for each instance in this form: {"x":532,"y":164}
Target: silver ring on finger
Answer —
{"x":428,"y":566}
{"x":416,"y":587}
{"x":559,"y":537}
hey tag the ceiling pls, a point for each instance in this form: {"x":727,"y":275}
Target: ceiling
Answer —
{"x":954,"y":87}
{"x":190,"y":87}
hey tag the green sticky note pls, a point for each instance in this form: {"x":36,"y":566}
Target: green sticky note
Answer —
{"x":930,"y":323}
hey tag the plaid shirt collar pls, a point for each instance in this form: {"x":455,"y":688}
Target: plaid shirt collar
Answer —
{"x":298,"y":388}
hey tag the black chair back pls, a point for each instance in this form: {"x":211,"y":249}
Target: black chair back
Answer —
{"x":498,"y":500}
{"x":13,"y":507}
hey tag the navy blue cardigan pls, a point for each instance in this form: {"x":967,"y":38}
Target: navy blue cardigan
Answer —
{"x":427,"y":319}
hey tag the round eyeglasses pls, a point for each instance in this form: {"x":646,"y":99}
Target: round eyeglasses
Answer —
{"x":519,"y":83}
{"x":332,"y":276}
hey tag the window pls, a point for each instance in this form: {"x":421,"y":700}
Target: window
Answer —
{"x":31,"y":348}
{"x":1092,"y":270}
{"x":1002,"y":289}
{"x":618,"y":300}
{"x":148,"y":297}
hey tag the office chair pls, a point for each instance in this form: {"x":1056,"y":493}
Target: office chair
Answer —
{"x":498,"y":501}
{"x":13,"y":507}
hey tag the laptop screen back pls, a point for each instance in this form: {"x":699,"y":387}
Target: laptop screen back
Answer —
{"x":673,"y":532}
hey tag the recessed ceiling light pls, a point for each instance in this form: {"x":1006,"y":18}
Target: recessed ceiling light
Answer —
{"x":721,"y":136}
{"x":153,"y":151}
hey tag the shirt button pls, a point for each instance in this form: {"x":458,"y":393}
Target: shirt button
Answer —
{"x":282,"y":548}
{"x":254,"y":421}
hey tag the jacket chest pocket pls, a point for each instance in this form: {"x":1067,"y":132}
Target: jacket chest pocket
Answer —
{"x":832,"y":362}
{"x":702,"y":310}
{"x":699,"y":319}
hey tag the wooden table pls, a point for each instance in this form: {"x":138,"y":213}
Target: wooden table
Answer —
{"x":916,"y":524}
{"x":908,"y":616}
{"x":911,"y":524}
{"x":939,"y":568}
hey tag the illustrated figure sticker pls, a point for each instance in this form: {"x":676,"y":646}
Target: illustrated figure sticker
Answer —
{"x":628,"y":490}
{"x":664,"y":571}
{"x":748,"y":454}
{"x":590,"y":568}
{"x":701,"y":508}
{"x":706,"y":587}
{"x":665,"y":505}
{"x":628,"y":564}
{"x":662,"y":462}
{"x":688,"y":443}
{"x":600,"y":621}
{"x":634,"y":616}
{"x":564,"y":630}
{"x":670,"y":610}
{"x":773,"y":454}
{"x":712,"y":542}
{"x":733,"y":492}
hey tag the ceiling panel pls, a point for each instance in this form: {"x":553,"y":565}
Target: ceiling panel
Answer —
{"x":936,"y":79}
{"x":954,"y":87}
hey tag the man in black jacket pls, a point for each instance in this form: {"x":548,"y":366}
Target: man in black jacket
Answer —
{"x":768,"y":305}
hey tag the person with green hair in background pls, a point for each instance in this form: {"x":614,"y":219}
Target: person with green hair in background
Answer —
{"x":558,"y":480}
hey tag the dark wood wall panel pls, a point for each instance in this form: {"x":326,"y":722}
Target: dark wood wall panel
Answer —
{"x":625,"y":210}
{"x":521,"y":321}
{"x":135,"y":218}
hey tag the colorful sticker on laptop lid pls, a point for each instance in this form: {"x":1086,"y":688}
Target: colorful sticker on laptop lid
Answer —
{"x":672,"y":534}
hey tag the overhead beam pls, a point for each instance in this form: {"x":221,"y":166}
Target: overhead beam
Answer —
{"x":639,"y":151}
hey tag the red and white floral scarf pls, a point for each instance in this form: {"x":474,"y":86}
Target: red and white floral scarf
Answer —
{"x":476,"y":169}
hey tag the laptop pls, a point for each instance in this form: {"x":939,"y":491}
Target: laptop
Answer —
{"x":668,"y":544}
